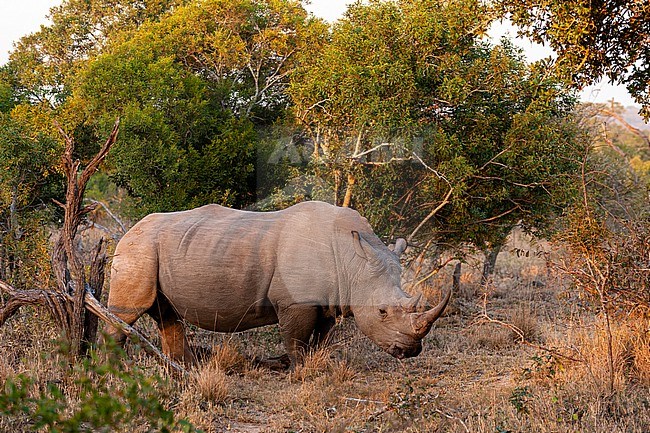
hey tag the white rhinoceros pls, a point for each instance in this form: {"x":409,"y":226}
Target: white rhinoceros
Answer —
{"x":229,"y":270}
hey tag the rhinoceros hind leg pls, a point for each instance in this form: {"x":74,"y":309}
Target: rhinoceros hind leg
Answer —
{"x":128,"y":315}
{"x":133,"y":287}
{"x":172,"y":332}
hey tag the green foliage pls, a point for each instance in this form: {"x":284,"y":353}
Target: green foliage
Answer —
{"x":28,"y":183}
{"x":592,"y":39}
{"x":400,"y":98}
{"x":519,"y":399}
{"x":380,"y":66}
{"x":172,"y":153}
{"x":193,"y":89}
{"x":408,"y":102}
{"x":102,"y":395}
{"x":9,"y":97}
{"x":193,"y":81}
{"x":45,"y":61}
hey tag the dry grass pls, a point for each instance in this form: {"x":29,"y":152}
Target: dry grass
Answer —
{"x":473,"y":375}
{"x":629,"y":365}
{"x":212,"y":384}
{"x":315,"y":363}
{"x":525,"y":323}
{"x":640,"y":352}
{"x":228,"y":358}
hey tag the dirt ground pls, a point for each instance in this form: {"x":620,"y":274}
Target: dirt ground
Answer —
{"x":475,"y":374}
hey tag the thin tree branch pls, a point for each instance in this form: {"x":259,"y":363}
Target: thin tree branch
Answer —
{"x":445,"y":202}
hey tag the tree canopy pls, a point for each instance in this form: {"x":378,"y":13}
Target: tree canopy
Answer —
{"x":408,"y":101}
{"x":195,"y":84}
{"x":607,"y":38}
{"x":401,"y":109}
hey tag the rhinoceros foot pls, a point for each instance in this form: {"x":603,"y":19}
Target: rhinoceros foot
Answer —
{"x":276,"y":363}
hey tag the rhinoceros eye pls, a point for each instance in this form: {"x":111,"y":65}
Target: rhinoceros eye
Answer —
{"x":383,"y":313}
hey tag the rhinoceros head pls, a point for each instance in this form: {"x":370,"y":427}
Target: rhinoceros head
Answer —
{"x":384,"y":313}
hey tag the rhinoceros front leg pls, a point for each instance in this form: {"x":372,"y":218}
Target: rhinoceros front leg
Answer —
{"x":322,"y":331}
{"x":297,"y":324}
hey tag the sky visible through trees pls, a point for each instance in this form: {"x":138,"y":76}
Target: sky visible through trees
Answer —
{"x":18,"y":19}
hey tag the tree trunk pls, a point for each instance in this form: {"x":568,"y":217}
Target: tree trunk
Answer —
{"x":456,"y":277}
{"x":489,"y":264}
{"x":347,"y":201}
{"x":95,"y":286}
{"x":337,"y":186}
{"x":3,"y":271}
{"x":14,"y":226}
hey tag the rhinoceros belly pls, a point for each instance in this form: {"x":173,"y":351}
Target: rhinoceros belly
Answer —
{"x":217,"y":274}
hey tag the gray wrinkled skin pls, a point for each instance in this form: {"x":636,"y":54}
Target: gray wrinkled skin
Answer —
{"x":227,"y":270}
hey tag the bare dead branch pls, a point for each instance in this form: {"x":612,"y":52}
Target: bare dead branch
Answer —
{"x":102,"y":312}
{"x":454,"y":418}
{"x":434,"y":272}
{"x":51,"y":299}
{"x":110,"y":214}
{"x":635,"y":131}
{"x":496,"y":217}
{"x":445,"y":201}
{"x":486,"y":318}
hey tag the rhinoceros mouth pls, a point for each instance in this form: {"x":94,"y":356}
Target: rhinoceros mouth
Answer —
{"x":400,"y":352}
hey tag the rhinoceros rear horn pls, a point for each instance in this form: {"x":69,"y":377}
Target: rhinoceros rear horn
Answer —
{"x":411,"y":305}
{"x":422,"y":322}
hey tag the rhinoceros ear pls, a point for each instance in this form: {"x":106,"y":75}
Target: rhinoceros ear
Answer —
{"x":356,"y":241}
{"x":400,"y":246}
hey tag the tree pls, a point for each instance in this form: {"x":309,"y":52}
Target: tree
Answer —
{"x":66,"y":303}
{"x":438,"y":134}
{"x":194,"y":82}
{"x":28,"y":182}
{"x":607,"y":38}
{"x":44,"y":62}
{"x":73,"y":302}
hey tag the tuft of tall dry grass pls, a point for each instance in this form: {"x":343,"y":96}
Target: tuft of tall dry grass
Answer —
{"x":315,"y":363}
{"x":525,"y":323}
{"x":640,"y":352}
{"x":228,"y":357}
{"x":212,"y":384}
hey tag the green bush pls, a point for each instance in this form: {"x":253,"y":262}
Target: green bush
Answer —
{"x":99,"y":395}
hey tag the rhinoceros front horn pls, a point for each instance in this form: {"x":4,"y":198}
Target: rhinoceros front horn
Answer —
{"x":422,"y":322}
